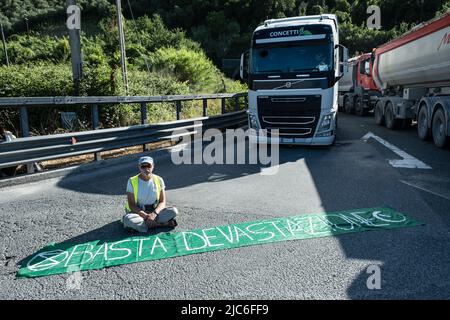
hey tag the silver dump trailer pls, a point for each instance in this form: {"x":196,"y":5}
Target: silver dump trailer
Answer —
{"x":413,"y":74}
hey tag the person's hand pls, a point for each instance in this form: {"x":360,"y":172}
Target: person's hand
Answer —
{"x":151,"y":216}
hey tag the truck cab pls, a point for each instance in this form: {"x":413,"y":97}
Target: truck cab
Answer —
{"x":292,"y":70}
{"x":358,"y":91}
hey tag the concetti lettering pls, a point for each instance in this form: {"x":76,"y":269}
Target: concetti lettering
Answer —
{"x":284,"y":33}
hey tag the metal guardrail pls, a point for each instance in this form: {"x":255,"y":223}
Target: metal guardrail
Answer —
{"x":28,"y":150}
{"x":70,"y":100}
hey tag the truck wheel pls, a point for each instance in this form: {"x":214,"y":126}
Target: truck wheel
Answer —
{"x":379,"y":117}
{"x":422,"y":124}
{"x":359,"y":108}
{"x":391,"y":122}
{"x":347,"y":106}
{"x":438,"y":129}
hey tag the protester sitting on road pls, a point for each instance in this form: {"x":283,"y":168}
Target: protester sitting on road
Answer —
{"x":146,"y":205}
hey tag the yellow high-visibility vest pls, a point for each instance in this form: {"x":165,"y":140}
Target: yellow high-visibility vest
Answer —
{"x":135,"y":184}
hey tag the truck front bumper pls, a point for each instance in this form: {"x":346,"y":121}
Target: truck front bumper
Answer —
{"x":263,"y":138}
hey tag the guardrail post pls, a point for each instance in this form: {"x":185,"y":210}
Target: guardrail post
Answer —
{"x":144,"y":113}
{"x":236,"y":103}
{"x":144,"y":120}
{"x":24,"y":122}
{"x":246,"y":102}
{"x":223,"y":105}
{"x":95,"y":121}
{"x":25,"y":132}
{"x":205,"y":107}
{"x":96,"y":126}
{"x":178,"y":104}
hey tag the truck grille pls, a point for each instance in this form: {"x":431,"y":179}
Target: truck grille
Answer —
{"x":291,"y":115}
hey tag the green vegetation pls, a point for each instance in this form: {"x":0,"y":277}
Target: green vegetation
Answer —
{"x":160,"y":62}
{"x":173,"y":47}
{"x":223,"y":28}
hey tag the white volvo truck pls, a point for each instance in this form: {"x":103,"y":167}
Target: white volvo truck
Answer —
{"x":292,"y":69}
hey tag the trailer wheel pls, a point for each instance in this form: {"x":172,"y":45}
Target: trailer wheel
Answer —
{"x":438,"y":129}
{"x":422,"y":124}
{"x":391,"y":122}
{"x":379,"y":117}
{"x":359,"y":108}
{"x":347,"y":106}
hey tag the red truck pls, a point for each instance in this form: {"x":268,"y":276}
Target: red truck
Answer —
{"x":357,"y":89}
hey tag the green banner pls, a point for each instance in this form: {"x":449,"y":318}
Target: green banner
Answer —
{"x":61,"y":258}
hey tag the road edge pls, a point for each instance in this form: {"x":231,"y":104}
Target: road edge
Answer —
{"x":157,"y":155}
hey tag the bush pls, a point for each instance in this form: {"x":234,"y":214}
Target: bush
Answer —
{"x":142,"y":83}
{"x":152,"y":34}
{"x":235,"y":86}
{"x":188,"y":66}
{"x":33,"y":48}
{"x":40,"y":79}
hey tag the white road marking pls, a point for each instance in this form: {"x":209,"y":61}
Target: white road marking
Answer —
{"x":426,"y":190}
{"x":408,"y":160}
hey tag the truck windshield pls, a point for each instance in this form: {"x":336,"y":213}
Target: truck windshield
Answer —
{"x":292,"y":58}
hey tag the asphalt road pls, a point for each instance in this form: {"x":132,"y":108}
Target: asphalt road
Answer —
{"x":414,"y":262}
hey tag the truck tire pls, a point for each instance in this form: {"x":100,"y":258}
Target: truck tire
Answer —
{"x":348,"y":108}
{"x":391,"y":122}
{"x":359,"y":107}
{"x":422,"y":124}
{"x":438,"y":129}
{"x":379,"y":117}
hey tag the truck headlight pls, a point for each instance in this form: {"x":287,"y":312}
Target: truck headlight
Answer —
{"x":325,"y":124}
{"x":252,"y":121}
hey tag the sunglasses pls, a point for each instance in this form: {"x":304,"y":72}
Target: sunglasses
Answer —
{"x":145,"y":166}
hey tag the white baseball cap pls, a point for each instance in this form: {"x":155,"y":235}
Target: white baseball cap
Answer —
{"x":145,"y":160}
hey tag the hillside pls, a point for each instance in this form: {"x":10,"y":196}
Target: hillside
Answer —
{"x":223,"y":28}
{"x":172,"y":46}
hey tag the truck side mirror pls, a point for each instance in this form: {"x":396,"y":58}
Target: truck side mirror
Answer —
{"x":343,"y":61}
{"x":243,"y":70}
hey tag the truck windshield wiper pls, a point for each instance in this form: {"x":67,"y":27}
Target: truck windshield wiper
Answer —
{"x":306,"y":69}
{"x":271,"y":71}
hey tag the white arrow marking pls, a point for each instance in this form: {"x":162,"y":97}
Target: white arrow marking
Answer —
{"x":408,"y":160}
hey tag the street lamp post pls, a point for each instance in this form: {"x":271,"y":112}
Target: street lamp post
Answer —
{"x":123,"y":58}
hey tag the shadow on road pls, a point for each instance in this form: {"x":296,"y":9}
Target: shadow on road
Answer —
{"x":412,"y":261}
{"x":113,"y":180}
{"x":349,"y":175}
